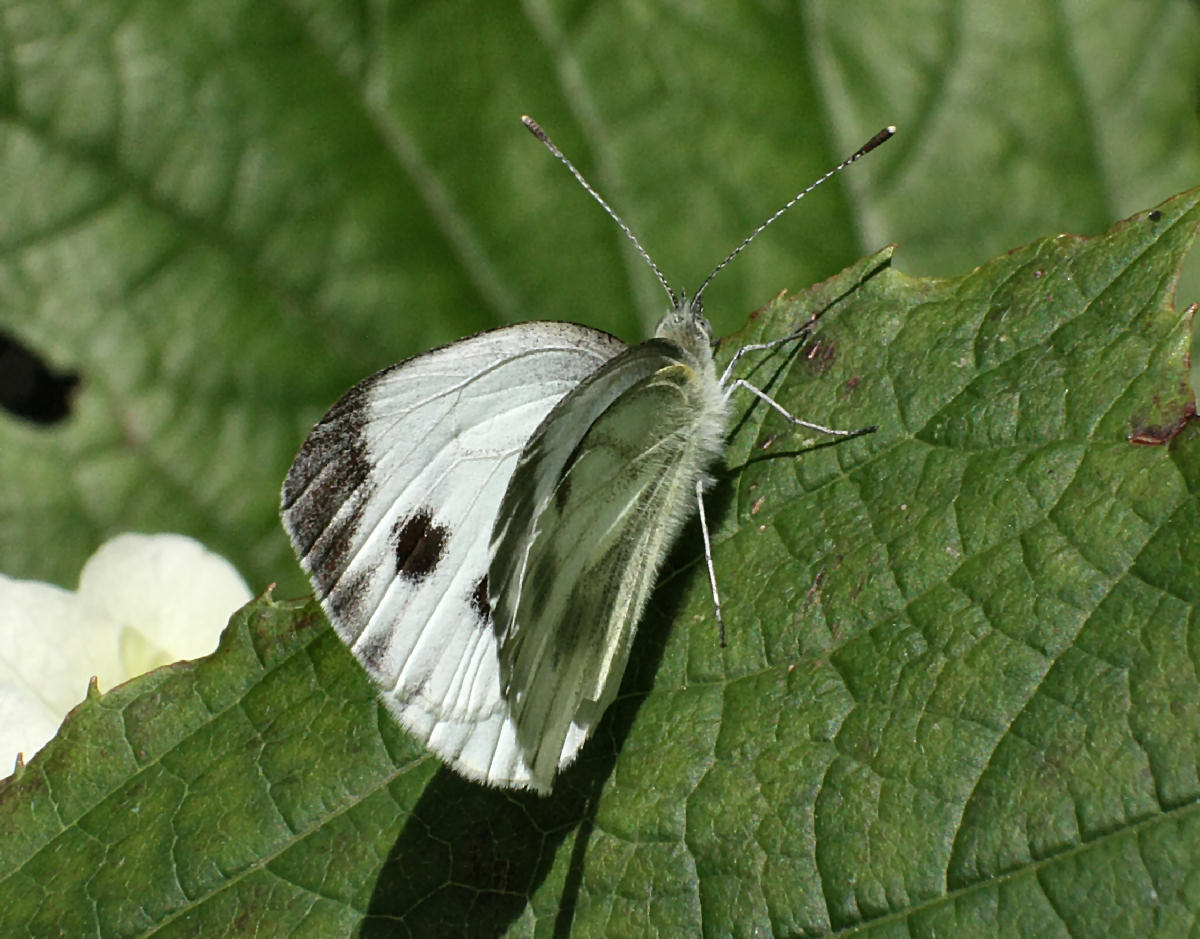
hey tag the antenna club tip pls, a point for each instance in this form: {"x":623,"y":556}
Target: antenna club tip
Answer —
{"x":889,"y":130}
{"x":536,"y":129}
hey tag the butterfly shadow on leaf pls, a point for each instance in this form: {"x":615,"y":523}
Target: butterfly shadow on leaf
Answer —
{"x":469,"y":857}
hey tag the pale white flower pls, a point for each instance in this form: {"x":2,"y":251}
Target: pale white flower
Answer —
{"x":143,"y":601}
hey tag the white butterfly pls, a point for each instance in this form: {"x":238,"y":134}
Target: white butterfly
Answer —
{"x":483,"y":523}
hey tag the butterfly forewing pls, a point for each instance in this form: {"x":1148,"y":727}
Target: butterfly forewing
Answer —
{"x":596,"y":501}
{"x":390,"y":505}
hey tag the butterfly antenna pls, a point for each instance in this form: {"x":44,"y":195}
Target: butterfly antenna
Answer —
{"x":536,"y":129}
{"x":862,"y":151}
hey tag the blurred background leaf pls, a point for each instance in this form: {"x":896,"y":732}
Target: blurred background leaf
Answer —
{"x":219,"y":216}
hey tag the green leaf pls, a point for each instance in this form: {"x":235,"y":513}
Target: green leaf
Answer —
{"x":959,"y":694}
{"x":219,"y":216}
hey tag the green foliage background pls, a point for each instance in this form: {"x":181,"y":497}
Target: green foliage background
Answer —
{"x":967,"y":701}
{"x":223,"y":215}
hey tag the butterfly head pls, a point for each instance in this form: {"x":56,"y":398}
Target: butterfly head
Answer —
{"x":686,"y":326}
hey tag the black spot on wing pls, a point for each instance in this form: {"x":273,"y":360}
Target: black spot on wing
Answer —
{"x":419,"y":545}
{"x":326,"y":489}
{"x":372,"y":654}
{"x":479,"y":601}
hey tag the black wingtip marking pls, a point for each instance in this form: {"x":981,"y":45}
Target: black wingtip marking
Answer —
{"x":420,"y":544}
{"x":372,"y":654}
{"x":345,"y":602}
{"x":331,"y":471}
{"x":479,"y":601}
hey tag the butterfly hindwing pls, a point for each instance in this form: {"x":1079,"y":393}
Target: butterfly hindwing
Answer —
{"x":598,"y":497}
{"x":390,"y":505}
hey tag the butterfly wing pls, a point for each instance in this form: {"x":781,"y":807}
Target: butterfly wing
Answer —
{"x":598,"y":497}
{"x":390,"y":504}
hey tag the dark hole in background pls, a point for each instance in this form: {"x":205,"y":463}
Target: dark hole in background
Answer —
{"x":29,"y":388}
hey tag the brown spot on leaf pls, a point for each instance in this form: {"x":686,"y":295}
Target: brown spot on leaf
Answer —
{"x":1162,"y":434}
{"x":821,"y":356}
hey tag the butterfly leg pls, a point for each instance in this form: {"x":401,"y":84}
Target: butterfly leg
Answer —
{"x":762,"y":395}
{"x":760,"y":346}
{"x":708,"y":559}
